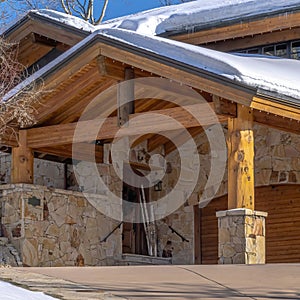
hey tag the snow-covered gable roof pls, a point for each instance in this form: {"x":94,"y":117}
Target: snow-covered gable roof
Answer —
{"x":65,"y":19}
{"x":277,"y":76}
{"x":270,"y":75}
{"x":186,"y":16}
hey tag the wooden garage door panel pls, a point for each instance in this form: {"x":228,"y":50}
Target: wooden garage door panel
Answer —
{"x":283,"y":224}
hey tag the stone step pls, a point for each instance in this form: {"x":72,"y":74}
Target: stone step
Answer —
{"x":135,"y":259}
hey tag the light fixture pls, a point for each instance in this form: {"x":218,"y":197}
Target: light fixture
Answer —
{"x":158,"y":186}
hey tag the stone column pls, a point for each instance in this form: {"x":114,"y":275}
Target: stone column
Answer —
{"x":241,"y":236}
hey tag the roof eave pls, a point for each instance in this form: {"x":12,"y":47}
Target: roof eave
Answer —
{"x":153,"y":56}
{"x":219,"y":24}
{"x":32,"y":16}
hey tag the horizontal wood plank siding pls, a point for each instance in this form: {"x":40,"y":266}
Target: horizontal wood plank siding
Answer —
{"x":282,"y":224}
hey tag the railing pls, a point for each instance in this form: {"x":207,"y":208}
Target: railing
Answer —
{"x":180,"y":235}
{"x":119,"y":225}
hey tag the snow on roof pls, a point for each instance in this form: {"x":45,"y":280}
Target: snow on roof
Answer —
{"x":270,"y":74}
{"x":185,"y":16}
{"x":65,"y":19}
{"x":198,"y":13}
{"x":275,"y":75}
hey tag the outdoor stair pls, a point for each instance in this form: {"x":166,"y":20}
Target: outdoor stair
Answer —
{"x":135,"y":259}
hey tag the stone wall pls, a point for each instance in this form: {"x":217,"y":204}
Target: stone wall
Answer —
{"x":276,"y":162}
{"x":52,"y":227}
{"x":47,"y":173}
{"x":277,"y":159}
{"x":242,"y":234}
{"x":182,"y":220}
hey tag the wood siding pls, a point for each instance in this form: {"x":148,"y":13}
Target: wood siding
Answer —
{"x":282,"y":224}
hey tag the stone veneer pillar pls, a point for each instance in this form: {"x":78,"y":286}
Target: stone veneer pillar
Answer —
{"x":241,"y":236}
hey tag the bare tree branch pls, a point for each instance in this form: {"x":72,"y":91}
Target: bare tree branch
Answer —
{"x":16,"y":110}
{"x":103,"y":12}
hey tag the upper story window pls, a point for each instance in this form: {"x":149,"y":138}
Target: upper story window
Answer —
{"x":295,"y":47}
{"x":289,"y":49}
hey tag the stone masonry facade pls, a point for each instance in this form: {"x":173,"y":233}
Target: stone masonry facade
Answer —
{"x":52,"y":227}
{"x":242,"y":234}
{"x":33,"y":228}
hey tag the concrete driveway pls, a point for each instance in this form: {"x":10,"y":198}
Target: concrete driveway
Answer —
{"x":280,"y":281}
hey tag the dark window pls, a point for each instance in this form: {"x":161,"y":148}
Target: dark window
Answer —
{"x":289,"y":49}
{"x":281,"y":50}
{"x":269,"y":50}
{"x":295,"y":50}
{"x":253,"y":51}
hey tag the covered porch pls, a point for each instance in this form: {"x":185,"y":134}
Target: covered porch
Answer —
{"x":120,"y":113}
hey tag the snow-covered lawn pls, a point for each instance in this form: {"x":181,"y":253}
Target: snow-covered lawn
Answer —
{"x":12,"y":292}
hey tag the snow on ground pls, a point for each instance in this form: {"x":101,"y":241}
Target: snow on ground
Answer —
{"x":12,"y":292}
{"x":182,"y":16}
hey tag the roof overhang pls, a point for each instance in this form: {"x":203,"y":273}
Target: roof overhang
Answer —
{"x":98,"y":44}
{"x":237,"y":27}
{"x":33,"y":22}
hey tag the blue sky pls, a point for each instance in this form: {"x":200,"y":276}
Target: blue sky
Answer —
{"x":117,"y":8}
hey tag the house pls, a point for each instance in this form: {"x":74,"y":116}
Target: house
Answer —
{"x":154,"y":137}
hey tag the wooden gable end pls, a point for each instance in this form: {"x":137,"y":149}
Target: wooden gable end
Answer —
{"x":96,"y":69}
{"x":41,"y":41}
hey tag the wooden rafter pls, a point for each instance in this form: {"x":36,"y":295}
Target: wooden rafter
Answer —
{"x":82,"y":151}
{"x":140,"y":123}
{"x":181,"y":138}
{"x":181,"y":76}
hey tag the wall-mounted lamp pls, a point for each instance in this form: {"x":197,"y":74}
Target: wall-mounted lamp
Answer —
{"x":158,"y":186}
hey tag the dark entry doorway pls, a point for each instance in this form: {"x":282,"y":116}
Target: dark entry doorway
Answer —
{"x":134,"y":237}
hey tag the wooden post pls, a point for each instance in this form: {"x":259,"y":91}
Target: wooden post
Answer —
{"x":241,"y":159}
{"x":126,"y":97}
{"x":22,"y":161}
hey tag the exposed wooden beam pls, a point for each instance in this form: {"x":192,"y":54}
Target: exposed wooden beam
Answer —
{"x":61,"y":97}
{"x":108,"y":68}
{"x":276,"y":122}
{"x":199,"y":82}
{"x":140,"y":123}
{"x":158,"y":140}
{"x":241,"y":160}
{"x":275,"y":108}
{"x":43,"y":40}
{"x":180,"y":139}
{"x":72,"y":110}
{"x":82,"y":151}
{"x":116,"y":70}
{"x":22,"y":161}
{"x":125,"y":98}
